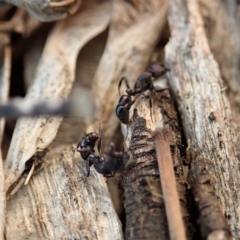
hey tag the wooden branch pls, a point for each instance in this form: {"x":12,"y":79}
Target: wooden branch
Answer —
{"x":169,"y":186}
{"x":206,"y":116}
{"x":58,"y":61}
{"x":20,"y":107}
{"x":4,"y":92}
{"x":222,"y":31}
{"x":213,"y":225}
{"x":135,"y":28}
{"x":144,"y":204}
{"x":60,"y":202}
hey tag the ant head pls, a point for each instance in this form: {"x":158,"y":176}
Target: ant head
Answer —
{"x":94,"y":137}
{"x":124,"y":99}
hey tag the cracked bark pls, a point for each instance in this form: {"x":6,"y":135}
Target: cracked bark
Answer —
{"x":143,"y":200}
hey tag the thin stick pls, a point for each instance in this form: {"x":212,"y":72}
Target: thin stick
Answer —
{"x":168,"y":182}
{"x":80,"y":104}
{"x":30,"y":174}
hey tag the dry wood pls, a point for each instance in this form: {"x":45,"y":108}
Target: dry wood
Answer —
{"x":4,"y":91}
{"x":60,"y":202}
{"x":45,"y":10}
{"x":54,"y":78}
{"x":144,"y":205}
{"x":135,"y":28}
{"x":213,"y":225}
{"x":18,"y":107}
{"x":169,"y":186}
{"x":206,"y":116}
{"x":223,"y":30}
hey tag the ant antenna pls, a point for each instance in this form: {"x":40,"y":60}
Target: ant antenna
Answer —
{"x":123,"y":79}
{"x":100,"y":141}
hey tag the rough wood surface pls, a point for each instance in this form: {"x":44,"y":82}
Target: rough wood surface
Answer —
{"x":213,"y":225}
{"x":143,"y":200}
{"x":135,"y":28}
{"x":223,"y":30}
{"x":206,"y":115}
{"x":5,"y":71}
{"x":60,"y":202}
{"x":54,"y":78}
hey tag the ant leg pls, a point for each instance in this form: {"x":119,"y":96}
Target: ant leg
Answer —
{"x":123,"y":79}
{"x":99,"y":145}
{"x":150,"y":105}
{"x":79,"y":167}
{"x":88,"y":167}
{"x":130,"y":104}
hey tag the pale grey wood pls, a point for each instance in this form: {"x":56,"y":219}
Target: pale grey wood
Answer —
{"x":206,"y":116}
{"x":53,"y":78}
{"x":60,"y":202}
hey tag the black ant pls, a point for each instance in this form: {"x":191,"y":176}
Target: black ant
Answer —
{"x":106,"y":164}
{"x":144,"y":82}
{"x":86,"y":147}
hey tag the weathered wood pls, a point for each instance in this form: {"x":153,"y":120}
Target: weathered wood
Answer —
{"x":213,"y":225}
{"x":206,"y":115}
{"x":5,"y":72}
{"x":53,"y":78}
{"x":144,"y":205}
{"x":135,"y":28}
{"x":222,"y":31}
{"x":60,"y":202}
